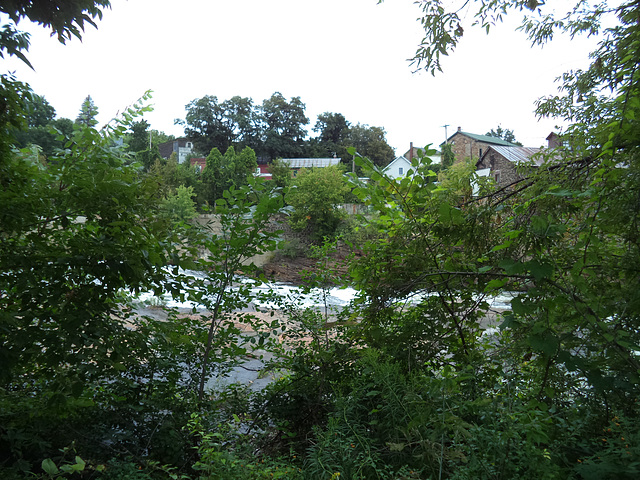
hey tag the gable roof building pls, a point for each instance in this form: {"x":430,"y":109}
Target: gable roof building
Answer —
{"x":471,"y":145}
{"x":398,"y":167}
{"x":181,"y":146}
{"x":415,"y":152}
{"x":503,"y":162}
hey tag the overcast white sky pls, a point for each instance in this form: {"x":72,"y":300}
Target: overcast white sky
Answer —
{"x":343,"y":56}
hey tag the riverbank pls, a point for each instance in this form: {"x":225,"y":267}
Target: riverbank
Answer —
{"x":296,"y":270}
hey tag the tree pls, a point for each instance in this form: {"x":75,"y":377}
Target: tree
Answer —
{"x":224,"y":171}
{"x":281,"y":174}
{"x":214,"y":124}
{"x":244,"y":213}
{"x":562,"y":238}
{"x":315,"y":195}
{"x":332,"y":127}
{"x":76,"y":233}
{"x":42,"y":128}
{"x":333,"y":130}
{"x":65,"y":19}
{"x":39,"y":112}
{"x":245,"y":121}
{"x":88,"y":113}
{"x":139,"y":137}
{"x":370,"y":142}
{"x":505,"y":134}
{"x":284,"y":126}
{"x":180,"y":206}
{"x":207,"y":125}
{"x":139,"y":142}
{"x":448,"y":157}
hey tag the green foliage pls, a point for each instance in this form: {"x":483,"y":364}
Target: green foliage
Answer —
{"x":216,"y":460}
{"x":448,"y":157}
{"x":284,"y":124}
{"x":209,"y":124}
{"x":170,"y":175}
{"x":293,"y":248}
{"x":39,"y":112}
{"x":370,"y":142}
{"x":275,"y":128}
{"x":88,"y":113}
{"x":12,"y":116}
{"x":281,"y":173}
{"x":333,"y":134}
{"x":75,"y":232}
{"x":223,"y":172}
{"x":315,"y":195}
{"x":65,"y":20}
{"x":139,"y":138}
{"x":43,"y":129}
{"x":504,"y":134}
{"x":180,"y":207}
{"x":244,"y":214}
{"x":419,"y":378}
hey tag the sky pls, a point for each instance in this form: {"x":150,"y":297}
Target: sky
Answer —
{"x":341,"y":56}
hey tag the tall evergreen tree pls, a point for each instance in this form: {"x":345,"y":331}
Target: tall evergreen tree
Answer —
{"x":88,"y":113}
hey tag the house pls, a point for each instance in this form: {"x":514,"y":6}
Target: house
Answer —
{"x":470,"y":145}
{"x":198,"y":162}
{"x":398,"y":167}
{"x":401,"y":165}
{"x":508,"y":164}
{"x":295,"y":164}
{"x":503,"y":163}
{"x":414,"y":152}
{"x":182,"y":147}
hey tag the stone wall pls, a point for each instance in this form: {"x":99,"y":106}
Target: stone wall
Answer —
{"x":464,"y":147}
{"x":502,"y":170}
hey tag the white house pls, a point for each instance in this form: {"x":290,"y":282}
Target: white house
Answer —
{"x":398,"y":167}
{"x":401,"y":165}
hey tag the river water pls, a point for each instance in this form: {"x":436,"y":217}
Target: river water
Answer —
{"x":249,"y":371}
{"x":334,"y":298}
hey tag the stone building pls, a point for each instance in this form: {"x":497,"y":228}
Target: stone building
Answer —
{"x":470,"y":145}
{"x":507,"y":164}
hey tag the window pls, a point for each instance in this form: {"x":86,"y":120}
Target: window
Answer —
{"x":496,"y":176}
{"x":400,"y":171}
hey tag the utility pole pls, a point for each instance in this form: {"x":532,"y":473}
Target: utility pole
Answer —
{"x":446,"y":137}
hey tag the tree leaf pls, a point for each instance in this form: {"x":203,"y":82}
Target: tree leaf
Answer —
{"x":50,"y":467}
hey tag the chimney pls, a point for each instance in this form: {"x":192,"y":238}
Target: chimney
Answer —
{"x":553,"y":140}
{"x":459,"y":129}
{"x":410,"y":151}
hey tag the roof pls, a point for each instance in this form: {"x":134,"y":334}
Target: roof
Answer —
{"x":402,"y":159}
{"x":517,"y":155}
{"x":167,"y":148}
{"x":311,"y":162}
{"x":485,"y":139}
{"x":416,"y":149}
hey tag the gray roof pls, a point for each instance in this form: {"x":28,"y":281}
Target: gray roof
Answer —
{"x":518,"y":155}
{"x":311,"y":162}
